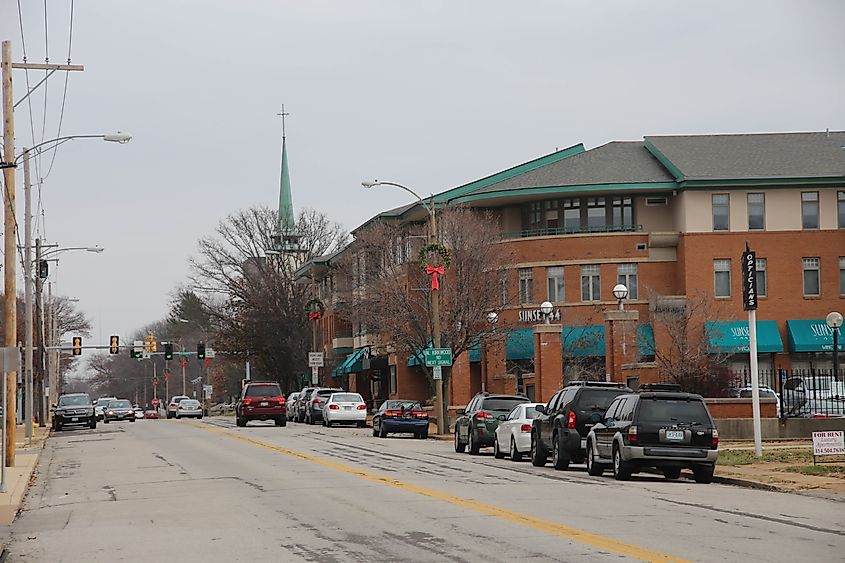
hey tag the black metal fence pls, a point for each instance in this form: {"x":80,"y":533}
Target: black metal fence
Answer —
{"x":805,"y":393}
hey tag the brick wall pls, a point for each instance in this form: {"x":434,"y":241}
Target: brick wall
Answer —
{"x":740,"y":408}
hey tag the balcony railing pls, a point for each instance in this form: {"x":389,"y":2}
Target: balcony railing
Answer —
{"x":572,"y":231}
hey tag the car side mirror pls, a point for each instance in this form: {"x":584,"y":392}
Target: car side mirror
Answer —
{"x":540,"y":409}
{"x":461,"y":411}
{"x":501,"y":417}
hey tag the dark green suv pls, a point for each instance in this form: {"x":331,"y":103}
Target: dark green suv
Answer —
{"x":476,"y":425}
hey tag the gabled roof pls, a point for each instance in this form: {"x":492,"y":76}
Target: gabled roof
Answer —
{"x":750,"y":156}
{"x":395,"y":213}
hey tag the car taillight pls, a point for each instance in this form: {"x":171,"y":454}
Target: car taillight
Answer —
{"x":483,"y":415}
{"x":571,"y":420}
{"x":715,"y":439}
{"x":334,"y":407}
{"x":525,"y":428}
{"x":361,"y":407}
{"x":317,"y":401}
{"x":632,"y":434}
{"x":248,"y":401}
{"x":421,"y":414}
{"x":392,"y":413}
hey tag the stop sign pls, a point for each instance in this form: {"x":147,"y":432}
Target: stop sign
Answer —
{"x":155,"y":402}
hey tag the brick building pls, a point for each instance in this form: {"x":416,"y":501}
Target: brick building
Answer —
{"x":667,"y":216}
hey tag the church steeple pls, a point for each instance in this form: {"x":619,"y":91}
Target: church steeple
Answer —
{"x":287,"y":239}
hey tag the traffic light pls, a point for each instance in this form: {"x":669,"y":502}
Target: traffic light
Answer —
{"x":77,"y":345}
{"x":136,"y":352}
{"x":43,"y":269}
{"x":168,"y":351}
{"x":114,"y":344}
{"x":200,"y":350}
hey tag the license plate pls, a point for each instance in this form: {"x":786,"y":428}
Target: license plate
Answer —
{"x":347,"y":408}
{"x":75,"y":419}
{"x":674,"y":434}
{"x":263,"y":404}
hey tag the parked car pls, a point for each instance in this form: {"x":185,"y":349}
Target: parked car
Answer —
{"x":261,"y":401}
{"x":139,"y":412}
{"x":76,"y":409}
{"x":475,"y":427}
{"x":345,"y":407}
{"x":121,"y":409}
{"x":173,"y":403}
{"x":188,"y":408}
{"x":398,"y":416}
{"x":151,"y":414}
{"x":513,"y":436}
{"x":290,"y":403}
{"x":765,"y":393}
{"x":669,"y":431}
{"x":302,"y":401}
{"x":564,"y":422}
{"x":316,"y":403}
{"x":101,"y":404}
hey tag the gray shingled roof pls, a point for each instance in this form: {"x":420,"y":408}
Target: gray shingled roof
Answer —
{"x":747,"y":156}
{"x":618,"y":162}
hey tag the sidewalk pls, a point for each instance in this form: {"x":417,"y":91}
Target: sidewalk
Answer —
{"x":19,"y":476}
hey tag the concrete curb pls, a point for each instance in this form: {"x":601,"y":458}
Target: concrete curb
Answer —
{"x":748,"y":484}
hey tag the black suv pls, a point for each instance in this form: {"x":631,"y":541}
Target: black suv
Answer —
{"x":564,"y":422}
{"x":669,"y":431}
{"x":74,"y":408}
{"x":476,"y":424}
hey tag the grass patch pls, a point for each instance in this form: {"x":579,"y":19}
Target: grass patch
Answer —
{"x":827,"y":470}
{"x":747,"y":457}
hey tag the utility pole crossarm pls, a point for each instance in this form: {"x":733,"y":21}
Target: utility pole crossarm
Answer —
{"x":45,"y":66}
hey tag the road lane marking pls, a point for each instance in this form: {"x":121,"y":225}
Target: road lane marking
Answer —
{"x":594,"y":540}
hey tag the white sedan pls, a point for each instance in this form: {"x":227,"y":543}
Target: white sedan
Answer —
{"x":345,"y":407}
{"x":513,"y":436}
{"x":188,"y":407}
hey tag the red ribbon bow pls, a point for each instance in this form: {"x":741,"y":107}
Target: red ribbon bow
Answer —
{"x":314,"y":316}
{"x":435,"y":272}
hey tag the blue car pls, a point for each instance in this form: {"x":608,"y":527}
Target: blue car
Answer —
{"x":398,"y":416}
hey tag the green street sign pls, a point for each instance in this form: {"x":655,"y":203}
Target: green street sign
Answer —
{"x":437,"y":357}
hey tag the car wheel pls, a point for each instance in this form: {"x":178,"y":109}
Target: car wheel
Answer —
{"x":672,"y":473}
{"x":538,"y":452}
{"x":93,"y":424}
{"x":239,"y":421}
{"x":703,"y":474}
{"x":473,"y":445}
{"x":105,"y":420}
{"x":460,"y":447}
{"x":199,"y":417}
{"x":382,"y":430}
{"x":593,"y":467}
{"x":281,"y":422}
{"x":58,"y":427}
{"x":516,"y":455}
{"x":178,"y":417}
{"x":326,"y":422}
{"x":132,"y":419}
{"x":375,"y":429}
{"x":496,"y":453}
{"x":621,"y":469}
{"x":362,"y":424}
{"x":423,"y":434}
{"x":558,"y":460}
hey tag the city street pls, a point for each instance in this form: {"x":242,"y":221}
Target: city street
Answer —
{"x":208,"y":491}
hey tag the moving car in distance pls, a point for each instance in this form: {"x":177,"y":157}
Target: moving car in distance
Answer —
{"x":476,"y":425}
{"x":120,"y":409}
{"x":101,"y":404}
{"x":151,"y":414}
{"x":190,"y":408}
{"x":400,"y":416}
{"x":261,"y":401}
{"x":345,"y":408}
{"x":74,"y":408}
{"x":173,"y":403}
{"x":668,"y":431}
{"x":513,"y":436}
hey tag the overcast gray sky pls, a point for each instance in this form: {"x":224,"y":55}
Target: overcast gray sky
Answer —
{"x":427,"y":93}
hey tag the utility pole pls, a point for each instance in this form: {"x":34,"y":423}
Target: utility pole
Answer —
{"x":9,"y":270}
{"x":27,"y":265}
{"x":442,"y":426}
{"x":38,"y":393}
{"x":182,"y":363}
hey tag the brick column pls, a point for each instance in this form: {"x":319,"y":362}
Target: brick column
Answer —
{"x":496,"y":366}
{"x":460,"y":391}
{"x":620,"y":333}
{"x":548,"y":360}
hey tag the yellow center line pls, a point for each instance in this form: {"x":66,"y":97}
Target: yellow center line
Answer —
{"x":595,"y":540}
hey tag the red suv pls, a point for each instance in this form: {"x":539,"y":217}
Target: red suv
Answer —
{"x":261,"y":401}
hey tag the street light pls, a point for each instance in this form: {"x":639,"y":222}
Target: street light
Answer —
{"x":834,"y":322}
{"x":442,"y":428}
{"x":492,"y":318}
{"x":620,"y":292}
{"x":546,"y":308}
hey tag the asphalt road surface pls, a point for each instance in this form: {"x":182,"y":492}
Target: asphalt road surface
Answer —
{"x":208,"y":491}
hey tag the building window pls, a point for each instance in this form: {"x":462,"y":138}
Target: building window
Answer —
{"x":503,"y":288}
{"x":756,"y":212}
{"x":842,"y":275}
{"x":572,"y":215}
{"x":526,"y":285}
{"x":722,"y":277}
{"x":596,"y":212}
{"x":810,"y":210}
{"x":762,"y":288}
{"x":840,"y":208}
{"x":626,"y":274}
{"x":623,"y":212}
{"x":551,"y":214}
{"x":721,"y":212}
{"x":392,"y":381}
{"x":812,"y":288}
{"x":590,"y":283}
{"x":554,"y":276}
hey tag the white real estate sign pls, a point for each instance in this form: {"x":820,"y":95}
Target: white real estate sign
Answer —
{"x":830,"y":442}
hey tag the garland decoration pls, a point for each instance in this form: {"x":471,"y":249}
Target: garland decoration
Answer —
{"x":315,"y":309}
{"x":435,"y":271}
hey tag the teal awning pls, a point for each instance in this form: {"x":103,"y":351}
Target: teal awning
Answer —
{"x":731,"y":337}
{"x":583,"y":341}
{"x":811,"y":336}
{"x":352,"y":364}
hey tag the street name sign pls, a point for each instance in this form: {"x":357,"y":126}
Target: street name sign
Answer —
{"x":315,"y":359}
{"x":436,"y":357}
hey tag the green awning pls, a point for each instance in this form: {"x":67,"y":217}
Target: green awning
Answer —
{"x":731,"y":337}
{"x":645,"y":340}
{"x":353,"y":363}
{"x":811,"y":336}
{"x":583,"y":341}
